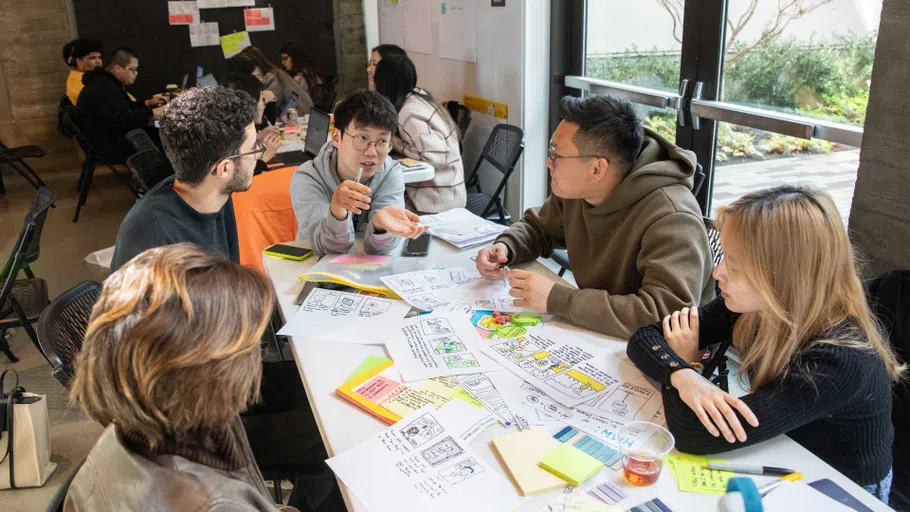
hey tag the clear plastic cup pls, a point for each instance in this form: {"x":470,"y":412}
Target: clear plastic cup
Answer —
{"x":643,"y":447}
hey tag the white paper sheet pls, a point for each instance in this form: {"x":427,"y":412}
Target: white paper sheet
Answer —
{"x":481,"y":387}
{"x":220,"y":4}
{"x":462,"y":228}
{"x":799,"y":496}
{"x":436,"y":345}
{"x":182,"y":13}
{"x":204,"y":34}
{"x":260,"y":19}
{"x":391,"y":23}
{"x":421,"y":464}
{"x":568,"y":364}
{"x":346,"y":317}
{"x":441,"y":288}
{"x":458,"y":30}
{"x":418,"y":25}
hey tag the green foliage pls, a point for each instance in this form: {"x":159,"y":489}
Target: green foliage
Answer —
{"x":663,"y":125}
{"x":735,"y":142}
{"x":778,"y":144}
{"x":841,"y":107}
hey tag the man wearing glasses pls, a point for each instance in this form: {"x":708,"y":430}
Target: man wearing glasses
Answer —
{"x":106,"y":111}
{"x":622,"y":205}
{"x":210,"y":139}
{"x":351,"y":185}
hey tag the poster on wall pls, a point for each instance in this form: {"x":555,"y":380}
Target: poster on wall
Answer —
{"x":220,"y":4}
{"x":182,"y":13}
{"x":204,"y":34}
{"x":391,"y":23}
{"x":418,"y":25}
{"x":259,"y":20}
{"x":458,"y":30}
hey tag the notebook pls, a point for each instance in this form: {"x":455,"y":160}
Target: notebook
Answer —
{"x":571,"y":464}
{"x":520,"y":453}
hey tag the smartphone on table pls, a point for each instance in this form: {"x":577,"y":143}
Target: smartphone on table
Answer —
{"x":419,"y":246}
{"x":288,"y":252}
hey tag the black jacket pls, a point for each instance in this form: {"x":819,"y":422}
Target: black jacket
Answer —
{"x":105,"y":113}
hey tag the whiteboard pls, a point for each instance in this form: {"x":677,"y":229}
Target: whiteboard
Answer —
{"x":458,"y":30}
{"x":391,"y":23}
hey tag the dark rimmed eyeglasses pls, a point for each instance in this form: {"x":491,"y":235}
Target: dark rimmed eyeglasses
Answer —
{"x":259,"y":150}
{"x":553,"y":156}
{"x":362,"y":142}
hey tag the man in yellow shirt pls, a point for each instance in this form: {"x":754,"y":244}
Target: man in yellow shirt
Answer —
{"x":81,"y":55}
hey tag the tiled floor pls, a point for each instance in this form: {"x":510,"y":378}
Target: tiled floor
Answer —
{"x":833,"y":172}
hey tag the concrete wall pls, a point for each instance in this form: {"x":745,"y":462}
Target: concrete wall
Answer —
{"x":351,"y":45}
{"x":879,"y":219}
{"x":32,"y":76}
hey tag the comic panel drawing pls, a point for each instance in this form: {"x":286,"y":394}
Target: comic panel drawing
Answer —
{"x":427,"y":301}
{"x":406,"y":284}
{"x":466,"y":360}
{"x":516,"y":349}
{"x":346,"y":304}
{"x":461,"y":471}
{"x":442,"y":452}
{"x":536,"y":399}
{"x":321,"y":300}
{"x":576,"y":383}
{"x":460,"y":276}
{"x":448,"y":345}
{"x":374,"y":307}
{"x":626,"y":401}
{"x":421,"y":430}
{"x":434,"y":279}
{"x":436,"y":327}
{"x":543,"y":365}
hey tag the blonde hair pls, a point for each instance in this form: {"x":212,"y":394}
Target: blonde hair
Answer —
{"x":792,"y":248}
{"x":173,"y":343}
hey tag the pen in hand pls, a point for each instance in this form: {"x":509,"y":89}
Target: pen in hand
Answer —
{"x":359,"y":175}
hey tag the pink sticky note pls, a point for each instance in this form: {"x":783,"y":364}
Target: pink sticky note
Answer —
{"x":355,"y":259}
{"x":376,"y":388}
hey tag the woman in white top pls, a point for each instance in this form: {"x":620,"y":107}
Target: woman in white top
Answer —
{"x":426,"y":132}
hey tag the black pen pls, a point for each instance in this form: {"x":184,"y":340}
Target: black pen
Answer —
{"x":749,"y":469}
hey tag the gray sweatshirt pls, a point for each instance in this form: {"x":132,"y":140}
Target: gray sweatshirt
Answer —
{"x":312,"y":187}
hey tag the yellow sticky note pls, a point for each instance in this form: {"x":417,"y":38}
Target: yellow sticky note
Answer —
{"x":571,"y":464}
{"x":407,"y":402}
{"x":462,"y":394}
{"x":520,"y":453}
{"x":692,"y":474}
{"x":231,"y":44}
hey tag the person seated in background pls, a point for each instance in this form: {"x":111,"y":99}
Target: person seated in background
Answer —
{"x":209,"y":138}
{"x":171,"y":357}
{"x":106,"y":111}
{"x":792,"y":304}
{"x":381,"y":52}
{"x":426,"y":132}
{"x":287,"y":93}
{"x":269,"y":135}
{"x":244,"y":64}
{"x":352,"y":183}
{"x":622,"y":205}
{"x":302,"y":69}
{"x":82,"y":56}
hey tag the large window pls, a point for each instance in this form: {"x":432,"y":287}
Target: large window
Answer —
{"x":775,"y":90}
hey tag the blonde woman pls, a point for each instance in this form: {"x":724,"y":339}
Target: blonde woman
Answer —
{"x":793,"y":305}
{"x":171,"y":356}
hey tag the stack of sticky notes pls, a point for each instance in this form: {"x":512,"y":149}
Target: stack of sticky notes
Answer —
{"x":600,"y":451}
{"x":571,"y":464}
{"x":521,"y":453}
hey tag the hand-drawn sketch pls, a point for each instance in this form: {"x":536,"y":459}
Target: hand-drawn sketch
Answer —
{"x":442,"y":452}
{"x":427,"y":301}
{"x":448,"y":345}
{"x":516,"y":349}
{"x":421,"y":430}
{"x":374,"y":307}
{"x":543,"y":365}
{"x":321,"y":300}
{"x":436,"y":326}
{"x":577,"y":383}
{"x":466,"y":360}
{"x":405,"y":284}
{"x":461,"y":471}
{"x":346,"y":304}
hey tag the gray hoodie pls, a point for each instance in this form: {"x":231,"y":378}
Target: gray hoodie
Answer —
{"x":312,"y":187}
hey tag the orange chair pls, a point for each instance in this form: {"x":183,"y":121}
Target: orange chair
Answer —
{"x":264,"y":215}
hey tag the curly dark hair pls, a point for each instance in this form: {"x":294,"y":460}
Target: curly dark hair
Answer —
{"x":366,"y":109}
{"x":202,"y":126}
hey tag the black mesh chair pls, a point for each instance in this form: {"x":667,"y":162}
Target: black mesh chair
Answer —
{"x":462,"y":117}
{"x":149,"y":168}
{"x":15,"y":159}
{"x":61,"y":328}
{"x":502,"y":151}
{"x":140,"y":140}
{"x":93,"y":158}
{"x":22,"y":300}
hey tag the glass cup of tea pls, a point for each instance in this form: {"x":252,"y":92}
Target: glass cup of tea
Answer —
{"x":643,"y":447}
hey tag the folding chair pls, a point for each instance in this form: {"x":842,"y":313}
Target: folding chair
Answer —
{"x":462,"y":117}
{"x":15,"y":158}
{"x":502,"y":151}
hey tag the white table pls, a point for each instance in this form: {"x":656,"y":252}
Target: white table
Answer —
{"x":324,"y":366}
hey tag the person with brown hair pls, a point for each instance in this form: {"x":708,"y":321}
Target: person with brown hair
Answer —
{"x":170,"y":359}
{"x":287,"y":93}
{"x":792,"y":303}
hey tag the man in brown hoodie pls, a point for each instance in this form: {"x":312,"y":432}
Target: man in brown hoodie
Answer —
{"x":622,"y":205}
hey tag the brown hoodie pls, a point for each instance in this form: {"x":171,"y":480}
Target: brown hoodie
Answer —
{"x":637,"y":257}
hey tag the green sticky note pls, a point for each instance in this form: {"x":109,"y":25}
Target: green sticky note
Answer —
{"x":394,"y":2}
{"x":368,"y":364}
{"x":571,"y":464}
{"x":692,"y":474}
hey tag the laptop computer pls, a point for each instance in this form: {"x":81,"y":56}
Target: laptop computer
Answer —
{"x":316,"y":135}
{"x":206,"y":80}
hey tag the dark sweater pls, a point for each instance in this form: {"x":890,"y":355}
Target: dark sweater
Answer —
{"x":162,"y":217}
{"x":106,"y":112}
{"x":835,"y":401}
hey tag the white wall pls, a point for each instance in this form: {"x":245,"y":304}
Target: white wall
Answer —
{"x":512,"y":67}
